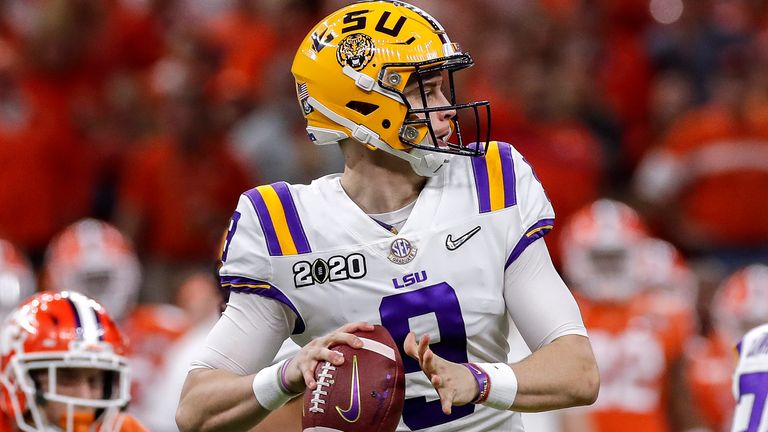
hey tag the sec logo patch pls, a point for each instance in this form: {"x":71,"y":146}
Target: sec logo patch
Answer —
{"x":401,"y":251}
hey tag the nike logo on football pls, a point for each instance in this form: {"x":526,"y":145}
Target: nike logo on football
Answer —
{"x":452,"y":244}
{"x":352,"y":414}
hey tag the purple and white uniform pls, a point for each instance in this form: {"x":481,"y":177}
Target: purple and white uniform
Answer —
{"x":303,"y":260}
{"x":750,"y":382}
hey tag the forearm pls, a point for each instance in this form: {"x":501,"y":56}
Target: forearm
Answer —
{"x":217,"y":400}
{"x":560,"y":374}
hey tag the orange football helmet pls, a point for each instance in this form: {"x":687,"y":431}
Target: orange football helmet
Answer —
{"x":17,"y":280}
{"x":600,"y":246}
{"x":94,"y":258}
{"x":46,"y":337}
{"x":741,"y":302}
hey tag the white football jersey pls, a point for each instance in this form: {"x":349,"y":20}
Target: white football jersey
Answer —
{"x":750,"y":382}
{"x":313,"y":249}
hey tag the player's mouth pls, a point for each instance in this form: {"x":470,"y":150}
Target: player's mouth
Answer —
{"x":442,"y":139}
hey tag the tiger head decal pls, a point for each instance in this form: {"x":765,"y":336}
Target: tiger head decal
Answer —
{"x":355,"y":50}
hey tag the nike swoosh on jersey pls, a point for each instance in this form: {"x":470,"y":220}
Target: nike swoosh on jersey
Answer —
{"x":452,"y":244}
{"x":352,"y":414}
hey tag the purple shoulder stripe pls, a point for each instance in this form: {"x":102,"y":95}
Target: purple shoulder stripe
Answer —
{"x":265,"y":289}
{"x":265,"y":220}
{"x":508,"y":174}
{"x":539,"y":229}
{"x":292,"y":217}
{"x":480,"y":169}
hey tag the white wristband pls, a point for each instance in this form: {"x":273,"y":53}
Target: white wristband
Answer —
{"x":267,"y":388}
{"x":503,"y":385}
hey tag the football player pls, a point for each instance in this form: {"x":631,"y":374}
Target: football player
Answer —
{"x":62,"y":367}
{"x":17,"y":280}
{"x":750,"y":382}
{"x":637,"y":329}
{"x":94,"y":258}
{"x":739,"y":304}
{"x":433,"y":237}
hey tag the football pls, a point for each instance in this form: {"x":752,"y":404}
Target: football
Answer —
{"x":366,"y":393}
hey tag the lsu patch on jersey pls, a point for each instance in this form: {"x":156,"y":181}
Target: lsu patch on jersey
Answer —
{"x":750,"y":382}
{"x":313,"y":249}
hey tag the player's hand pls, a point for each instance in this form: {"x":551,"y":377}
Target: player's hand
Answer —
{"x":300,"y":372}
{"x":453,"y":382}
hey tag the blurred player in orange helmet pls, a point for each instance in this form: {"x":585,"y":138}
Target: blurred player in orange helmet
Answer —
{"x":94,"y":258}
{"x":637,"y":332}
{"x":63,"y":367}
{"x":740,"y":303}
{"x":17,"y":281}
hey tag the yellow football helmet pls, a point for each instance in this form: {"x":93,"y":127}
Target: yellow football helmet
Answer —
{"x":351,"y":71}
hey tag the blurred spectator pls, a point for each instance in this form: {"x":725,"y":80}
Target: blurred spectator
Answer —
{"x":17,"y":281}
{"x":246,"y":42}
{"x":637,"y":332}
{"x":272,"y":137}
{"x":180,"y":185}
{"x":31,"y":161}
{"x":702,"y":181}
{"x":537,"y":102}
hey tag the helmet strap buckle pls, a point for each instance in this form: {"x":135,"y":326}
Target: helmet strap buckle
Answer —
{"x":361,"y":80}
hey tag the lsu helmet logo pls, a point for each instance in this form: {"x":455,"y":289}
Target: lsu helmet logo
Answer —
{"x":356,"y":51}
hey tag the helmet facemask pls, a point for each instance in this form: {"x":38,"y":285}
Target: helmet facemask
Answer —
{"x":54,"y":377}
{"x":417,"y":130}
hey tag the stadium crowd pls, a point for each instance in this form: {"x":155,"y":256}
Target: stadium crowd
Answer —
{"x":128,"y":129}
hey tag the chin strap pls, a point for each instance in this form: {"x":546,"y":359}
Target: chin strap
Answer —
{"x":423,"y":163}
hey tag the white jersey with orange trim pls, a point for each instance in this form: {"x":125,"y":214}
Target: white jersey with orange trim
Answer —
{"x":750,"y":382}
{"x":447,"y":273}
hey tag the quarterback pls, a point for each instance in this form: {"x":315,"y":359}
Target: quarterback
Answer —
{"x":433,"y":237}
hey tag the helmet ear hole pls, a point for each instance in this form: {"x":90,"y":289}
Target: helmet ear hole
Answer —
{"x":363,"y":108}
{"x":386,"y":124}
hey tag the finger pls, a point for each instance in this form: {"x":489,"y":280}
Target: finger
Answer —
{"x":334,"y":339}
{"x":410,"y":346}
{"x":355,"y":326}
{"x":334,"y":357}
{"x":423,"y":345}
{"x":423,"y":348}
{"x":309,"y":367}
{"x":447,"y":402}
{"x":309,"y":376}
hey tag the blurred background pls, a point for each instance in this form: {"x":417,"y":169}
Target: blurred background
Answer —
{"x":128,"y":129}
